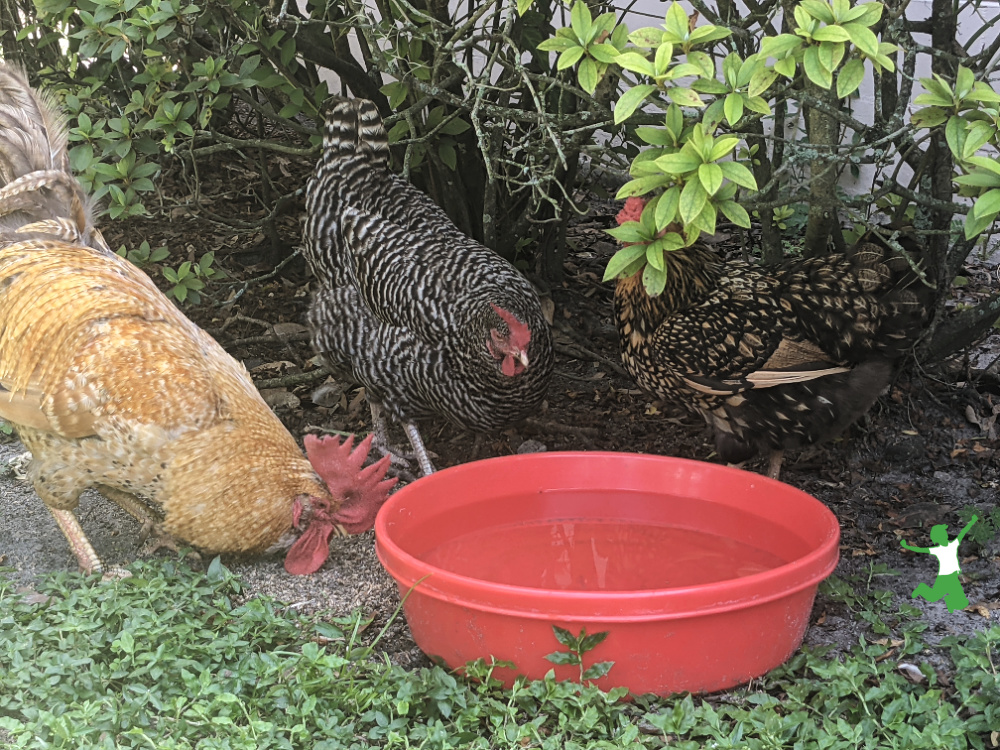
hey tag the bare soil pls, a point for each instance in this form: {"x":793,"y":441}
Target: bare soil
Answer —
{"x":928,"y":449}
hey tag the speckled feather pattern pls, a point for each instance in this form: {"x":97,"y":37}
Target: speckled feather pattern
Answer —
{"x":720,"y":330}
{"x":403,"y":304}
{"x":107,"y":382}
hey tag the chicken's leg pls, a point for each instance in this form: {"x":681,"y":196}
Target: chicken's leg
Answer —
{"x":152,"y":535}
{"x":81,"y":546}
{"x":399,"y":463}
{"x":418,"y":448}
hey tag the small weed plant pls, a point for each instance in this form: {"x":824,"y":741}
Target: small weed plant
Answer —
{"x":176,"y":660}
{"x":576,"y":647}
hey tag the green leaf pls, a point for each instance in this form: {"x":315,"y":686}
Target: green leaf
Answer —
{"x":954,"y":133}
{"x":674,"y":121}
{"x":757,"y":104}
{"x":523,"y":5}
{"x":563,"y":658}
{"x":588,"y":75}
{"x":982,"y":92}
{"x":396,"y":92}
{"x":831,"y":33}
{"x":685,"y":97}
{"x":636,"y":63}
{"x":632,"y":100}
{"x":709,"y":86}
{"x":653,"y":280}
{"x":666,"y":208}
{"x":979,"y":133}
{"x":710,"y":176}
{"x":723,"y":147}
{"x":648,"y":36}
{"x":786,"y":67}
{"x":705,"y":34}
{"x":871,"y":14}
{"x":738,"y":173}
{"x":693,"y":199}
{"x":987,"y":163}
{"x":929,"y":117}
{"x":678,"y":163}
{"x":703,"y":61}
{"x":641,"y":186}
{"x":654,"y":257}
{"x":815,"y":70}
{"x":604,"y":53}
{"x":761,"y":81}
{"x":979,"y":179}
{"x":733,"y":108}
{"x":831,"y":54}
{"x":557,"y":44}
{"x":850,"y":77}
{"x":964,"y":82}
{"x":629,"y":232}
{"x":669,"y":242}
{"x":654,"y":136}
{"x":818,"y":10}
{"x":565,"y":637}
{"x":862,"y":38}
{"x":599,"y":669}
{"x":676,"y":21}
{"x":937,"y":86}
{"x":582,"y":22}
{"x":987,"y":205}
{"x":446,"y":152}
{"x":735,"y":213}
{"x":974,"y":226}
{"x":663,"y":57}
{"x":622,"y":259}
{"x":780,"y":46}
{"x":569,"y":58}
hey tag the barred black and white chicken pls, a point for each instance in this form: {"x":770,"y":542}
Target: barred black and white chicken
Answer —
{"x":777,"y":357}
{"x":431,"y":322}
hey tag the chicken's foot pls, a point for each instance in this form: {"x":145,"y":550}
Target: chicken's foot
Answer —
{"x":399,"y":463}
{"x":81,"y":546}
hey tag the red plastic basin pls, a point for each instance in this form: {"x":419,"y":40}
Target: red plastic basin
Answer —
{"x":702,"y":575}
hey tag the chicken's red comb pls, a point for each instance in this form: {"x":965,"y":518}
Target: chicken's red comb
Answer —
{"x":359,"y":491}
{"x":632,"y":211}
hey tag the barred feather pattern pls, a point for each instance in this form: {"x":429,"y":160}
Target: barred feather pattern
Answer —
{"x":778,"y":357}
{"x":405,"y":301}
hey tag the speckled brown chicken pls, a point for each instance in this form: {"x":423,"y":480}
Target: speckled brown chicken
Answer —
{"x":110,"y":386}
{"x":773,"y":358}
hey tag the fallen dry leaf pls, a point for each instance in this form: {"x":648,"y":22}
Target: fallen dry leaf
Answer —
{"x":911,"y":672}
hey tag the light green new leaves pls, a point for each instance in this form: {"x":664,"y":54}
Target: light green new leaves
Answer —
{"x":825,"y":35}
{"x":653,"y":58}
{"x":594,"y":43}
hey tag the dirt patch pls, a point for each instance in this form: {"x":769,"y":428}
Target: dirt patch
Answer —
{"x":914,"y":462}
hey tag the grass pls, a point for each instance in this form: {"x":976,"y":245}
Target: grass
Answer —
{"x":170,"y":659}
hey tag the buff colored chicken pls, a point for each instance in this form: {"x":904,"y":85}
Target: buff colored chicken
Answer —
{"x":111,"y":387}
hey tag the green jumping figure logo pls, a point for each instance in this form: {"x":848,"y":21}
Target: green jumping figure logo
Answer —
{"x":946,"y":585}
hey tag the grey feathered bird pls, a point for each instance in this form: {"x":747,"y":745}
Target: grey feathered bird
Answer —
{"x":431,"y":322}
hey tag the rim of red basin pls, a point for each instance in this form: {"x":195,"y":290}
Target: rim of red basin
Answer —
{"x":616,"y":605}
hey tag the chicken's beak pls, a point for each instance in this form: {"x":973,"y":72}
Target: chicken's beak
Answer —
{"x":522,"y":357}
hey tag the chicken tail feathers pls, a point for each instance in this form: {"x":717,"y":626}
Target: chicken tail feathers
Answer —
{"x":39,"y":196}
{"x":354,"y":128}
